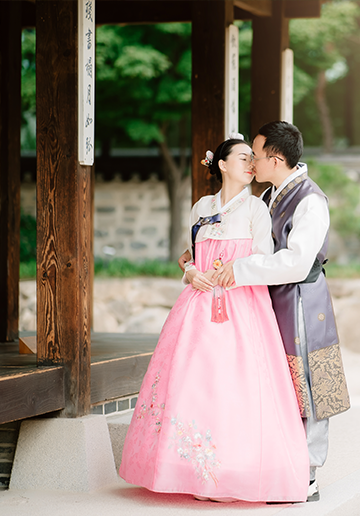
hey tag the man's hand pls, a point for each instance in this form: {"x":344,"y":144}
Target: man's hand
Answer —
{"x":185,"y":257}
{"x":225,"y":275}
{"x":199,"y":281}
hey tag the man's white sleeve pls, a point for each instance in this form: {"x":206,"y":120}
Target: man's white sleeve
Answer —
{"x":290,"y":265}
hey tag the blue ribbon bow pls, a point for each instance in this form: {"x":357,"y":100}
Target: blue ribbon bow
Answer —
{"x":203,"y":221}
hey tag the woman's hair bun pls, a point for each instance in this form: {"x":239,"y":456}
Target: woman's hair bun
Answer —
{"x":211,"y":160}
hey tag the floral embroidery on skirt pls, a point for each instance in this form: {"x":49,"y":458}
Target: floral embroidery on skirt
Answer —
{"x":197,"y":448}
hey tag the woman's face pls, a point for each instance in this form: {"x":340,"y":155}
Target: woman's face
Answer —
{"x":238,"y":166}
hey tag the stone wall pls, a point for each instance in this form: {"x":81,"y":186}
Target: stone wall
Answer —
{"x":131,"y":219}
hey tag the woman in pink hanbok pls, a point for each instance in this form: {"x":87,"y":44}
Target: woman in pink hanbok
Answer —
{"x":217,"y":415}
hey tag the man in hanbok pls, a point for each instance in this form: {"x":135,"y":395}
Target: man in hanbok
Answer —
{"x":297,"y":285}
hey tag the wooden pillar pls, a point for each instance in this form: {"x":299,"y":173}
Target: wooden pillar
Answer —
{"x":10,"y":109}
{"x":209,"y":22}
{"x":270,"y":38}
{"x":92,"y":261}
{"x":63,"y":206}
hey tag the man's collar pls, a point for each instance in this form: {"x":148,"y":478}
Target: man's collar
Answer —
{"x":301,"y":168}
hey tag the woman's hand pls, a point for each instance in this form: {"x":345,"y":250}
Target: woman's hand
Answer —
{"x":224,"y":276}
{"x":209,"y":275}
{"x":200,"y":280}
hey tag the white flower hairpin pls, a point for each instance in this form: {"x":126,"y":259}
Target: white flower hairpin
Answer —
{"x":207,"y":161}
{"x":235,"y":136}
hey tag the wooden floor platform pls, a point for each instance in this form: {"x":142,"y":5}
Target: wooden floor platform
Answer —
{"x":118,"y":364}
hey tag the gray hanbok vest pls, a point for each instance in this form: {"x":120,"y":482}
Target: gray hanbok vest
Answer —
{"x":327,"y":379}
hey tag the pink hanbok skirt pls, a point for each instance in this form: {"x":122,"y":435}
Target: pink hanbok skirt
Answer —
{"x":217,"y":414}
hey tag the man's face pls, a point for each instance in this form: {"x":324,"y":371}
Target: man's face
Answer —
{"x":263,"y":166}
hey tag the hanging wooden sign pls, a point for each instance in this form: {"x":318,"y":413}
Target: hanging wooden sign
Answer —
{"x":287,"y":85}
{"x":232,"y":81}
{"x":86,"y":74}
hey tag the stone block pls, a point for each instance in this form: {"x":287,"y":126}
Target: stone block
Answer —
{"x":105,"y":209}
{"x":124,"y":231}
{"x":149,"y":320}
{"x":64,"y":454}
{"x":149,"y":231}
{"x":117,"y":435}
{"x":131,"y":208}
{"x":98,"y":233}
{"x":138,"y":245}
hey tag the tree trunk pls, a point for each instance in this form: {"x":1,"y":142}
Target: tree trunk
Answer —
{"x":324,"y":113}
{"x":176,"y":186}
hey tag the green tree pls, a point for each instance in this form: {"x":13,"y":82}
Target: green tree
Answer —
{"x":245,"y":44}
{"x":143,"y":96}
{"x":322,"y":47}
{"x":324,"y":50}
{"x":28,"y":85}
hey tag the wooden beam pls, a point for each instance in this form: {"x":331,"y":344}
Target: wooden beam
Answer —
{"x":10,"y":109}
{"x":63,"y":206}
{"x":30,"y":394}
{"x":270,"y":38}
{"x":142,"y":11}
{"x":257,"y":7}
{"x":241,"y":14}
{"x":208,"y":87}
{"x":118,"y":377}
{"x":303,"y":8}
{"x":28,"y":14}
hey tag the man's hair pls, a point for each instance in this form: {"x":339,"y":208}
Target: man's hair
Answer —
{"x":284,"y":139}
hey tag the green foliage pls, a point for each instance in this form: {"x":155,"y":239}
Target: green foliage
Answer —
{"x":27,"y":246}
{"x":245,"y":44}
{"x":321,"y":42}
{"x":28,"y":270}
{"x":123,"y":268}
{"x":351,"y":270}
{"x":137,"y":62}
{"x":28,"y":83}
{"x":27,"y":238}
{"x":303,"y":83}
{"x":143,"y":81}
{"x":126,"y":269}
{"x":329,"y":44}
{"x":28,"y":88}
{"x":344,"y":194}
